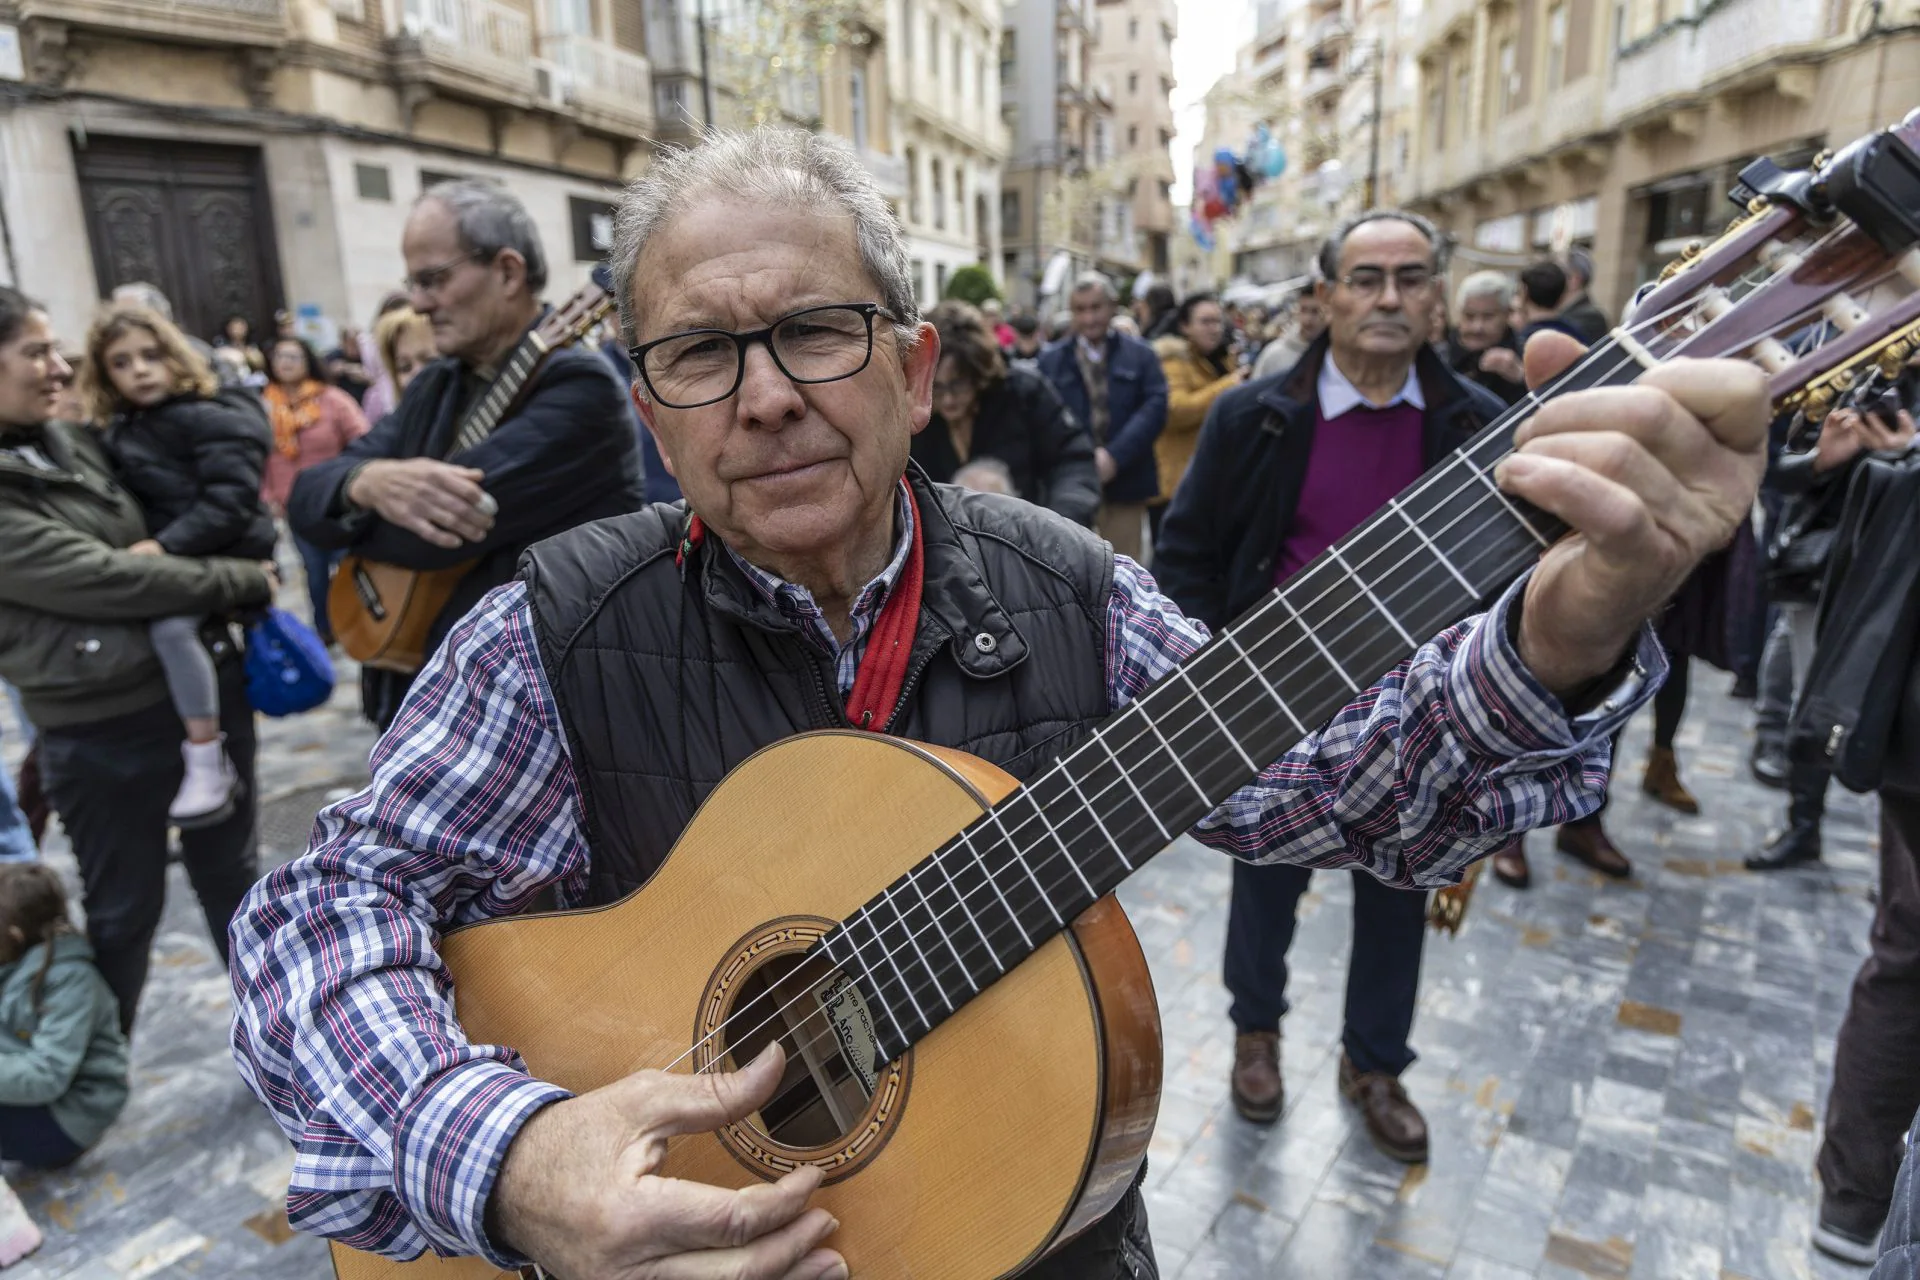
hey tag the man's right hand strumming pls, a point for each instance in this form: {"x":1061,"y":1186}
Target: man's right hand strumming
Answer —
{"x":435,"y":501}
{"x":579,"y":1194}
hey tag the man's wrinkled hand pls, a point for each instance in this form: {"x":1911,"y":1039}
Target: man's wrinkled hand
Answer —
{"x":435,"y":501}
{"x":580,"y":1194}
{"x":1650,"y":477}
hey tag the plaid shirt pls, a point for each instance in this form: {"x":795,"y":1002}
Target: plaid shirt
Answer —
{"x":344,"y":1024}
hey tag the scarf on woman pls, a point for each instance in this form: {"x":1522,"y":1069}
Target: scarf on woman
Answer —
{"x":292,"y":414}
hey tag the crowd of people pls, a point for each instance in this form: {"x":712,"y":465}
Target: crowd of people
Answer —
{"x":148,"y":479}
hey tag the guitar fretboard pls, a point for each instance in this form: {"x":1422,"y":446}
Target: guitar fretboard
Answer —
{"x":500,"y":394}
{"x":979,"y":905}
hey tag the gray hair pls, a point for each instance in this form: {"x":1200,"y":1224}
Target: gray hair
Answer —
{"x":1580,"y":263}
{"x":1482,"y":284}
{"x":490,"y":218}
{"x":786,"y":169}
{"x":1094,"y":280}
{"x":1335,"y":244}
{"x":138,"y":293}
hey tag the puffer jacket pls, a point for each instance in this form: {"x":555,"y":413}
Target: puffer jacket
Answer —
{"x":194,"y":465}
{"x":69,"y":1055}
{"x":74,"y":605}
{"x":1023,"y":422}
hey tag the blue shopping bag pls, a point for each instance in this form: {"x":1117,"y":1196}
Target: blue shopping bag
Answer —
{"x":288,"y":670}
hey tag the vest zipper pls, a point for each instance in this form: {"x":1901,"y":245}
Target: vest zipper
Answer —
{"x":907,"y":686}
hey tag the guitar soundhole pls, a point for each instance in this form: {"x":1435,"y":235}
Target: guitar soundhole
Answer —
{"x":821,"y":1021}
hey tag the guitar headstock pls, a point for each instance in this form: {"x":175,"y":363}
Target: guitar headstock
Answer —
{"x":575,"y":319}
{"x":1818,"y":282}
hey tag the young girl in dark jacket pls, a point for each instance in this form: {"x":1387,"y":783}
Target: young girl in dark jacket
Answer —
{"x":191,"y":453}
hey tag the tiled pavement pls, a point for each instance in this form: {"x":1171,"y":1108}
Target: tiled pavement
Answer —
{"x":1622,"y":1079}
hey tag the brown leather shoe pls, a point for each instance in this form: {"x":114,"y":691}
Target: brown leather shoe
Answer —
{"x":1510,"y":864}
{"x":1587,"y":842}
{"x":1662,"y":781}
{"x":1393,"y":1122}
{"x":1258,"y":1091}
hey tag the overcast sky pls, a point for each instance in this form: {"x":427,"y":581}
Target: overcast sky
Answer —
{"x":1203,"y":51}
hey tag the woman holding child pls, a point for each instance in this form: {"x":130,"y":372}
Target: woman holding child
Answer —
{"x":94,"y":568}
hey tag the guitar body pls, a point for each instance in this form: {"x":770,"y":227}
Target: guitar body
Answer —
{"x":1016,"y":1124}
{"x":382,"y":614}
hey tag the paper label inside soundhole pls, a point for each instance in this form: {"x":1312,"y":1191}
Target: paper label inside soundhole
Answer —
{"x":846,"y":1011}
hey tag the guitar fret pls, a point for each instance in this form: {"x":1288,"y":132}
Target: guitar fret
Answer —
{"x":913,"y":937}
{"x":939,"y":860}
{"x":1367,"y":591}
{"x":966,"y":838}
{"x":1494,"y":489}
{"x":1094,"y":813}
{"x":1126,"y":777}
{"x":1064,"y":851}
{"x":1178,"y":763}
{"x":1261,"y":676}
{"x":1472,"y":591}
{"x":1021,"y":858}
{"x":906,"y":986}
{"x":1208,"y":706}
{"x":1315,"y":641}
{"x":853,"y":954}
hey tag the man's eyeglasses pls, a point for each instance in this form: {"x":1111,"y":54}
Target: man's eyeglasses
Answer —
{"x":429,"y":279}
{"x":704,"y":366}
{"x":1369,"y":281}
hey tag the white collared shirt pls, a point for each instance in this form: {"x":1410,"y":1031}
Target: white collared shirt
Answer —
{"x":1338,"y":395}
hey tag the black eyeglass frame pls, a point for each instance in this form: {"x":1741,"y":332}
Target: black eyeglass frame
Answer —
{"x":741,"y":341}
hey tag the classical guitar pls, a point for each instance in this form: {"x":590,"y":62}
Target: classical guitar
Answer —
{"x":383,"y":613}
{"x":972,"y":1039}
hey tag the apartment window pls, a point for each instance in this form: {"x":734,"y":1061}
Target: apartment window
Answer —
{"x":933,"y":45}
{"x":1133,"y":136}
{"x":939,"y":279}
{"x":1437,"y":117}
{"x":1462,"y":101}
{"x":959,"y":199}
{"x":570,"y":17}
{"x":434,"y":177}
{"x":1133,"y":28}
{"x":980,"y":79}
{"x":1008,"y":49}
{"x":373,"y":182}
{"x":913,"y":186}
{"x":1509,"y":87}
{"x":920,"y":279}
{"x":1009,"y":214}
{"x":956,"y":64}
{"x":939,"y":195}
{"x":1556,"y":46}
{"x":1133,"y":82}
{"x":857,"y":105}
{"x":351,"y":10}
{"x":592,"y":228}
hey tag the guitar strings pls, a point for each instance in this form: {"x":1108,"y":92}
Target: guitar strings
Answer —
{"x":1529,"y":404}
{"x":879,"y":984}
{"x":814,"y":1041}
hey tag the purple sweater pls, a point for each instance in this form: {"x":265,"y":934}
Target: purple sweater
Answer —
{"x":1359,"y":460}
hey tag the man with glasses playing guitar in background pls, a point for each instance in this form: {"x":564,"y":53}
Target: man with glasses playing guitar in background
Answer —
{"x":501,"y":444}
{"x":806,"y":1046}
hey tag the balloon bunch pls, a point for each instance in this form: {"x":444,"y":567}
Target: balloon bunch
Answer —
{"x":1220,"y":187}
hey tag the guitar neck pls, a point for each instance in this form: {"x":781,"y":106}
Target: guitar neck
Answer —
{"x":1440,"y":550}
{"x":515,"y":372}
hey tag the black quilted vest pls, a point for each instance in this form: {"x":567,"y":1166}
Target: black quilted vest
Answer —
{"x":667,"y":675}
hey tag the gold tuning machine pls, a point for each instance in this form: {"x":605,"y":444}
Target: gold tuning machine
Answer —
{"x":1817,"y":399}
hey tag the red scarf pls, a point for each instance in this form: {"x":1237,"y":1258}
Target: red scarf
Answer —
{"x":883,"y":666}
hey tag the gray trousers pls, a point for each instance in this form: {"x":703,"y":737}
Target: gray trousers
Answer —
{"x":191,"y":680}
{"x":1783,"y":669}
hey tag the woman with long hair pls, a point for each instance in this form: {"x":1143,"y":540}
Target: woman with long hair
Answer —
{"x":313,"y":421}
{"x":984,"y":408}
{"x":76,"y":604}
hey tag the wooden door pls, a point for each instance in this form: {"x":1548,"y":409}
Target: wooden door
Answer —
{"x":194,"y":219}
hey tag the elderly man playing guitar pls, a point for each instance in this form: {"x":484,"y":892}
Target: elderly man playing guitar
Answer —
{"x":577,"y":718}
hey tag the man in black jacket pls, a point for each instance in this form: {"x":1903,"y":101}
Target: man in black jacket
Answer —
{"x":567,"y":453}
{"x":1287,"y":466}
